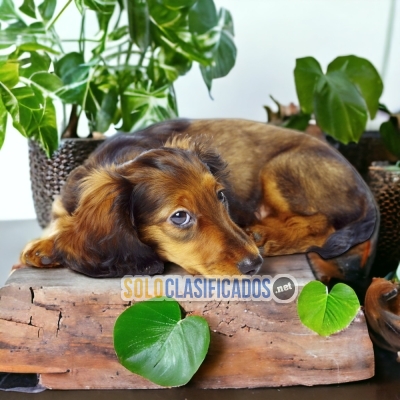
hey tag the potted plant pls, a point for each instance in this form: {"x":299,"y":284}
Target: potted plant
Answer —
{"x":122,"y":76}
{"x":339,"y":103}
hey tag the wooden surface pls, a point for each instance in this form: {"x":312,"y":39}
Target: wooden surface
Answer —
{"x":59,"y":324}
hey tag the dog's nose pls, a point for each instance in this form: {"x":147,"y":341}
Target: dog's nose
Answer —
{"x":250,"y":265}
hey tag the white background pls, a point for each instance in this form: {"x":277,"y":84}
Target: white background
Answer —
{"x":270,"y":35}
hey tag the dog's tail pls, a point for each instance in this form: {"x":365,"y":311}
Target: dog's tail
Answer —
{"x":348,"y":254}
{"x":356,"y":232}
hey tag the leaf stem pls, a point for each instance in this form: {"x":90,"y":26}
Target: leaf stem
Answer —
{"x":81,"y":42}
{"x":388,"y":40}
{"x":58,"y":15}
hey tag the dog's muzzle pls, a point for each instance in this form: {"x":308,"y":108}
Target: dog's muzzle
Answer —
{"x":250,"y":265}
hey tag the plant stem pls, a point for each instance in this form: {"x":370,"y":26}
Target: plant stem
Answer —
{"x":72,"y":127}
{"x":388,"y":40}
{"x":81,"y":42}
{"x":174,"y":98}
{"x":116,"y":26}
{"x":58,"y":15}
{"x":142,"y":56}
{"x":118,"y":54}
{"x":129,"y":53}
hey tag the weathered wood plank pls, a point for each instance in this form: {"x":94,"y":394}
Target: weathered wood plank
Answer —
{"x":59,"y":324}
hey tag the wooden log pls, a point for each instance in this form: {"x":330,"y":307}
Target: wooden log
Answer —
{"x":59,"y":324}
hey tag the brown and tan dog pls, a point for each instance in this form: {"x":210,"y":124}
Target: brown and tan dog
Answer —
{"x":210,"y":196}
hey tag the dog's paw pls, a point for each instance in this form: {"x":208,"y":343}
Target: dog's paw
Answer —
{"x":258,"y":237}
{"x":38,"y":253}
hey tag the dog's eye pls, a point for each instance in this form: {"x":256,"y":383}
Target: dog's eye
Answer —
{"x":180,"y":218}
{"x":221,"y":196}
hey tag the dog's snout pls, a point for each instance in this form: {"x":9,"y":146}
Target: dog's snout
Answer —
{"x":250,"y":265}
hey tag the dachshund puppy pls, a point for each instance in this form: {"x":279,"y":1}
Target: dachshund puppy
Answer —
{"x":212,"y":196}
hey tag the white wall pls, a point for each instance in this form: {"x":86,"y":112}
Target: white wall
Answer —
{"x":270,"y":35}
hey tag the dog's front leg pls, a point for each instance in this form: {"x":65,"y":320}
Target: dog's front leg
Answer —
{"x":38,"y":253}
{"x":289,"y":234}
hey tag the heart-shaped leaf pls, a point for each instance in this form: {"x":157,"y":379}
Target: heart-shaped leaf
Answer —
{"x":327,"y":313}
{"x":152,"y":340}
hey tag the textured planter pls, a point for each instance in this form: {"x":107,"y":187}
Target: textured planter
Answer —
{"x":49,"y":174}
{"x":385,"y":184}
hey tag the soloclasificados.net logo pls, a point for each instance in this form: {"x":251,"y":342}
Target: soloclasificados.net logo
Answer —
{"x":282,"y":288}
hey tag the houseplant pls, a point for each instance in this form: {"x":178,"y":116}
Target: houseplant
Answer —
{"x":122,"y":76}
{"x":340,"y":102}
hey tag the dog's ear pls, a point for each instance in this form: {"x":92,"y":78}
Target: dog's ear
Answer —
{"x":99,"y":238}
{"x":201,"y":146}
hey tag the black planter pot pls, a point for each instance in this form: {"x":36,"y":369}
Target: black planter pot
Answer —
{"x":49,"y":174}
{"x":361,"y":155}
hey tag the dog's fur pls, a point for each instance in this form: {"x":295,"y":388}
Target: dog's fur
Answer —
{"x":247,"y":187}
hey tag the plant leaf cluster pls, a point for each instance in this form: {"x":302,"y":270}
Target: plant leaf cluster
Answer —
{"x":123,"y":75}
{"x":342,"y":99}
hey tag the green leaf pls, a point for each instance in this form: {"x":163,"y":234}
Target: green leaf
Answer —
{"x":170,"y":64}
{"x":161,"y":15}
{"x":33,"y":46}
{"x":71,"y":68}
{"x":139,"y":22}
{"x":141,"y":108}
{"x":35,"y":63}
{"x":7,"y":11}
{"x":3,"y":122}
{"x":28,"y":8}
{"x":26,"y":97}
{"x":79,"y":5}
{"x":299,"y":122}
{"x":224,"y":54}
{"x":46,"y":81}
{"x":179,"y":3}
{"x":105,"y":115}
{"x":100,"y":6}
{"x":152,"y":340}
{"x":384,"y":108}
{"x":74,"y":74}
{"x":118,"y":33}
{"x":202,"y":16}
{"x":327,"y":313}
{"x":104,"y":10}
{"x":364,"y":75}
{"x":339,"y":108}
{"x":9,"y":74}
{"x":390,"y":134}
{"x":12,"y":106}
{"x":47,"y":9}
{"x":47,"y":132}
{"x":224,"y":60}
{"x":306,"y":74}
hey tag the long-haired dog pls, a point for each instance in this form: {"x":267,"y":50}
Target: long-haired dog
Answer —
{"x":212,"y":196}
